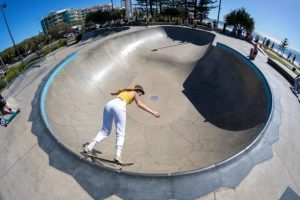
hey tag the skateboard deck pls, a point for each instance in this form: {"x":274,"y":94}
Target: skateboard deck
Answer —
{"x":105,"y":160}
{"x":5,"y":122}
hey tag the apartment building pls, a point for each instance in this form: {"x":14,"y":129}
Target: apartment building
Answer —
{"x":68,"y":16}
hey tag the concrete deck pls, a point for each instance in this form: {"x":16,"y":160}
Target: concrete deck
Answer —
{"x":34,"y":166}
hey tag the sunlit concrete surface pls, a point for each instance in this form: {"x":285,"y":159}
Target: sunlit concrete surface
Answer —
{"x":34,"y":166}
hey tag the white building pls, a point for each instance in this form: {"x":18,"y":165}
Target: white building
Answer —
{"x":68,"y":16}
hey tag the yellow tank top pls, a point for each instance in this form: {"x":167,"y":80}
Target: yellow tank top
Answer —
{"x":126,"y":96}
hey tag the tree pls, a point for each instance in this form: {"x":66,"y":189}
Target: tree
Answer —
{"x":22,"y":49}
{"x":241,"y":21}
{"x":118,"y":14}
{"x":90,"y":18}
{"x":59,"y":30}
{"x":202,"y":10}
{"x":144,"y":4}
{"x":99,"y":17}
{"x":283,"y":45}
{"x":54,"y":32}
{"x":8,"y":55}
{"x":34,"y":45}
{"x":184,"y":6}
{"x":151,"y":7}
{"x":172,"y":12}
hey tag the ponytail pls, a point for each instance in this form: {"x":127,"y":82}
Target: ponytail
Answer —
{"x":122,"y":90}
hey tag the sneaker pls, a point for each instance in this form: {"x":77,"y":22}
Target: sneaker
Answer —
{"x":118,"y":159}
{"x":86,"y":149}
{"x":3,"y":122}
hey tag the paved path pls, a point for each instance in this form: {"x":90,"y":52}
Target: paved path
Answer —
{"x":33,"y":166}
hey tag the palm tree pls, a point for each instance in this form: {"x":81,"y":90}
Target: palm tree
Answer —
{"x":144,"y":3}
{"x":241,"y":21}
{"x":283,"y":45}
{"x":204,"y":8}
{"x":112,"y":5}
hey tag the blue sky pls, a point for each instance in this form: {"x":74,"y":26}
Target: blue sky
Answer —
{"x":274,"y":18}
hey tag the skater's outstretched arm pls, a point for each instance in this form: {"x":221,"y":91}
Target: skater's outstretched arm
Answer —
{"x":141,"y":105}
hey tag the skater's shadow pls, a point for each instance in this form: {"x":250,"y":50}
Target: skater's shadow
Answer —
{"x":84,"y":173}
{"x":226,"y":92}
{"x":170,"y":46}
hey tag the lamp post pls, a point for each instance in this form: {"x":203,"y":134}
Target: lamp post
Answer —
{"x":2,"y":9}
{"x":219,"y":12}
{"x":112,"y":5}
{"x":2,"y":63}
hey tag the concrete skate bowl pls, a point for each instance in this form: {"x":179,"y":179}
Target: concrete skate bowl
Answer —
{"x":213,"y":103}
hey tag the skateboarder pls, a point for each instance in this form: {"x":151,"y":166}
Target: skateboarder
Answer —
{"x":296,"y":87}
{"x":3,"y":105}
{"x":116,"y":109}
{"x":253,"y":52}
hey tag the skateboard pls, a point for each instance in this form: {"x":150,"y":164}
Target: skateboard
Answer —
{"x":4,"y":122}
{"x":105,"y":160}
{"x":95,"y":158}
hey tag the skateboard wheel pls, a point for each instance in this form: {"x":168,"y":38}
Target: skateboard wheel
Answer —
{"x":118,"y":167}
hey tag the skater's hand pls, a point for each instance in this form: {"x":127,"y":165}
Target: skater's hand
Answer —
{"x":156,"y":114}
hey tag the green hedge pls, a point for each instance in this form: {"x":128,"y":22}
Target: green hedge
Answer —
{"x":3,"y":84}
{"x":11,"y":74}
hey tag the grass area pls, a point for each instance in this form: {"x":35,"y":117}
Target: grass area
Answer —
{"x":11,"y":74}
{"x":277,"y":57}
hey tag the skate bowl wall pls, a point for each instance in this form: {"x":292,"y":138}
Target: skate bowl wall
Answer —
{"x":213,"y":103}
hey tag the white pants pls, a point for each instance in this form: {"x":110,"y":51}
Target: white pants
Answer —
{"x":297,"y":85}
{"x":113,"y":110}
